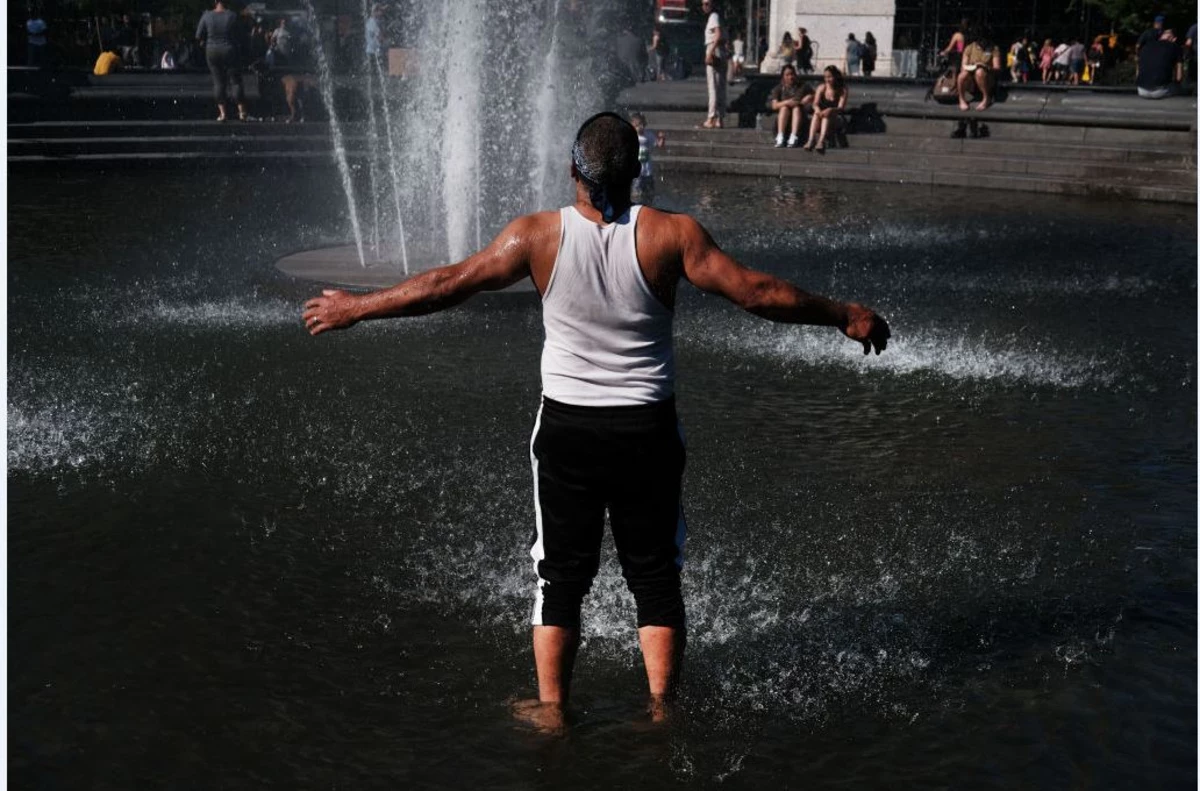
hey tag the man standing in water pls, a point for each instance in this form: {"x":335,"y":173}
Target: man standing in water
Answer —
{"x":606,"y":436}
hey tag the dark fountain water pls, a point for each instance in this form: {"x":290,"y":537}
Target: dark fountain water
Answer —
{"x":240,"y":556}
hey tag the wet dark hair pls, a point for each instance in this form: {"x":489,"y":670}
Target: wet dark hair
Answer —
{"x":605,"y":155}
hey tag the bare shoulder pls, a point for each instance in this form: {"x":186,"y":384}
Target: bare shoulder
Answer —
{"x":675,"y":226}
{"x":530,"y":226}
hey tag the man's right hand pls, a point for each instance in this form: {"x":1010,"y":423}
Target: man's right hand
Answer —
{"x":867,"y":327}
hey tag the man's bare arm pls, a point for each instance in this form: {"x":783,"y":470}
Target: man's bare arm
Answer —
{"x":499,"y":265}
{"x":708,"y":268}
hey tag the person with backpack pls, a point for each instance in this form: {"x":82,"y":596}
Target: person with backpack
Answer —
{"x":1023,"y":60}
{"x":852,"y":63}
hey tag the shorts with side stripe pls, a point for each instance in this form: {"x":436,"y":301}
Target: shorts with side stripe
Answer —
{"x":629,"y":462}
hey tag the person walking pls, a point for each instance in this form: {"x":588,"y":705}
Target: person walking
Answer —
{"x":218,"y":33}
{"x":606,"y":437}
{"x":714,"y":66}
{"x":804,"y":52}
{"x":659,"y":49}
{"x":787,"y":50}
{"x":852,"y":62}
{"x":958,"y":42}
{"x":870,"y":49}
{"x":1046,"y":60}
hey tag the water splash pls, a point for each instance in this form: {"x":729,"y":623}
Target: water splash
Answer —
{"x":393,"y":163}
{"x":915,"y":350}
{"x":546,"y":104}
{"x":335,"y":128}
{"x":460,"y":152}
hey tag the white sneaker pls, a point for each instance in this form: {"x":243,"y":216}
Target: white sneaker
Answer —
{"x":793,"y":141}
{"x":779,"y":141}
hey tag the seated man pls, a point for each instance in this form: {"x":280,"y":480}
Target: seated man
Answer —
{"x":1160,"y":67}
{"x":981,"y":64}
{"x":789,"y":99}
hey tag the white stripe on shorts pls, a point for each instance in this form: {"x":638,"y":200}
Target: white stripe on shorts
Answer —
{"x":538,"y":551}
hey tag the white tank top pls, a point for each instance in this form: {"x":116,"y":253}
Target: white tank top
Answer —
{"x":608,"y":337}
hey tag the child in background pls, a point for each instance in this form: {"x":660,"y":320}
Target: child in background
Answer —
{"x":648,"y":139}
{"x":738,"y":62}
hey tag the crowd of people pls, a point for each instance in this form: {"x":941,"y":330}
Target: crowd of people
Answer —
{"x":228,"y":43}
{"x":858,"y":57}
{"x":973,"y":63}
{"x":1161,"y":61}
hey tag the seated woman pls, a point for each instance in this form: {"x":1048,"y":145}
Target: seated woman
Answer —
{"x":828,"y":102}
{"x":788,"y":99}
{"x":981,"y":64}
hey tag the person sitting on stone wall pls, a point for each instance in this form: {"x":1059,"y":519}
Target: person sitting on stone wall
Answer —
{"x":828,"y":103}
{"x":980,"y":65}
{"x":1160,"y":67}
{"x":788,"y":99}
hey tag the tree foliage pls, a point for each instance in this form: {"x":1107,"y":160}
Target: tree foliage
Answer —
{"x":1134,"y":16}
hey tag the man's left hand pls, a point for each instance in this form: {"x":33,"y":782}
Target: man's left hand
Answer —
{"x":333,"y":310}
{"x":866,"y":327}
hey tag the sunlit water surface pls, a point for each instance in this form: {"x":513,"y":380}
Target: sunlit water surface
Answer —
{"x":240,"y":556}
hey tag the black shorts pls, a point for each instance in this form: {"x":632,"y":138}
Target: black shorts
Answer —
{"x":629,"y":462}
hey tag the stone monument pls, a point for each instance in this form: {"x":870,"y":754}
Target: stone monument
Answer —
{"x":828,"y":23}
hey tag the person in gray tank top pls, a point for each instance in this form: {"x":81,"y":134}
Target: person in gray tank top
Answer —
{"x":606,"y":438}
{"x":219,"y":31}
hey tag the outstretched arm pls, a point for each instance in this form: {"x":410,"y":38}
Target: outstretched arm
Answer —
{"x":710,"y":269}
{"x":502,"y":263}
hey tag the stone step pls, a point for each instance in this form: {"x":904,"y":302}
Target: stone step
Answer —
{"x":940,"y":139}
{"x":197,"y":159}
{"x":151,"y":129}
{"x":941,"y":127}
{"x":70,"y":146}
{"x":1176,"y":173}
{"x":827,"y":168}
{"x":1048,"y":133}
